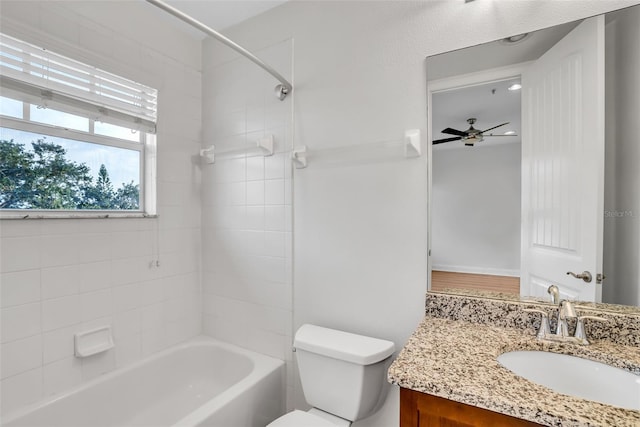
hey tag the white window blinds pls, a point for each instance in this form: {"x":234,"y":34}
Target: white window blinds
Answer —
{"x":41,"y":77}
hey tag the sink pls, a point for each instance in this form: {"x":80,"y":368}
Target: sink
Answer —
{"x":576,"y":377}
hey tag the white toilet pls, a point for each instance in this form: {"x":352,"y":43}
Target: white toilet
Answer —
{"x":342,"y":374}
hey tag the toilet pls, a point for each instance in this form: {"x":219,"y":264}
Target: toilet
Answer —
{"x":342,"y":375}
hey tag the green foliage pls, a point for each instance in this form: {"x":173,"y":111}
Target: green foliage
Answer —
{"x":46,"y":179}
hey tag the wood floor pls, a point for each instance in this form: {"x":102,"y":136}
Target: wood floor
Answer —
{"x":441,"y":280}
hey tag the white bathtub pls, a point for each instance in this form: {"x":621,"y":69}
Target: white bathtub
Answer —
{"x":202,"y":382}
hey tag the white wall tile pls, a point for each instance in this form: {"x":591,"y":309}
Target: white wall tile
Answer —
{"x":19,"y":253}
{"x":21,"y":287}
{"x":273,"y":269}
{"x":127,"y":270}
{"x":274,"y":166}
{"x":20,"y":322}
{"x":127,"y":323}
{"x":60,"y":312}
{"x":153,"y":340}
{"x":255,"y":219}
{"x":255,"y":193}
{"x":255,"y":168}
{"x":20,"y":228}
{"x":21,"y":355}
{"x":177,"y":331}
{"x":59,"y":250}
{"x":255,"y":117}
{"x":99,"y":244}
{"x":267,"y":343}
{"x":129,"y":350}
{"x":94,"y":276}
{"x":152,"y":316}
{"x":247,"y":291}
{"x":234,"y":193}
{"x":255,"y":242}
{"x":275,"y":219}
{"x":274,"y":192}
{"x":274,"y":243}
{"x":273,"y":294}
{"x":98,"y":364}
{"x":94,"y":305}
{"x":60,"y":281}
{"x":153,"y":291}
{"x":58,"y":344}
{"x":288,"y":191}
{"x":21,"y":390}
{"x":61,"y":375}
{"x":130,"y":244}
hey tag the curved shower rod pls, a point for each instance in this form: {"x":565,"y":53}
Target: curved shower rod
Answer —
{"x":281,"y":90}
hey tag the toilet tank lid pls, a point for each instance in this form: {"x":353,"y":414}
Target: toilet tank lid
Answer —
{"x":342,"y":345}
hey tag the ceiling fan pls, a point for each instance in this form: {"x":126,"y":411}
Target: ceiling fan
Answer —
{"x":469,"y":136}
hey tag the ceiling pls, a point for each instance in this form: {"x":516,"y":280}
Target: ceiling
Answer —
{"x":219,"y":14}
{"x":490,"y":103}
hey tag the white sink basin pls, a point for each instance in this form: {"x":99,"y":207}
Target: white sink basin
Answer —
{"x":576,"y":377}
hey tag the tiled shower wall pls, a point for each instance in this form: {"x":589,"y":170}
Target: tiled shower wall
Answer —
{"x":247,"y":224}
{"x":58,"y":277}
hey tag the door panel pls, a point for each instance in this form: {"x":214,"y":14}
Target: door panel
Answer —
{"x":563,"y":164}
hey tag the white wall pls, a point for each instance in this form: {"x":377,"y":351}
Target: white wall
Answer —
{"x":62,"y":276}
{"x":622,"y":175}
{"x":360,"y":228}
{"x":475,"y":209}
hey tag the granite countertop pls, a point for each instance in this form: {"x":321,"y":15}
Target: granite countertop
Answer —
{"x":457,"y":360}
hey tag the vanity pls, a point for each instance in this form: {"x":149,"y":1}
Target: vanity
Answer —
{"x":533,"y":188}
{"x":450,"y":375}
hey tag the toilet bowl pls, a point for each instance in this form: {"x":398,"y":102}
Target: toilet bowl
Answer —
{"x":342,"y":375}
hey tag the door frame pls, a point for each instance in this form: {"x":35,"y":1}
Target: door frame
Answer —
{"x":451,"y":83}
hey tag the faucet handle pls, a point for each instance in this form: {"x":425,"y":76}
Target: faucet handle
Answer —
{"x":555,"y":293}
{"x":580,"y":331}
{"x":545,"y":329}
{"x":567,"y":310}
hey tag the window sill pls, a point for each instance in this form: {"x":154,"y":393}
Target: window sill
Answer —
{"x":36,"y":214}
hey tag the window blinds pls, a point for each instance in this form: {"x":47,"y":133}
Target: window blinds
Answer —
{"x":41,"y":77}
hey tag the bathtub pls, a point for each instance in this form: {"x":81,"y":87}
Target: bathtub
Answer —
{"x":202,"y":382}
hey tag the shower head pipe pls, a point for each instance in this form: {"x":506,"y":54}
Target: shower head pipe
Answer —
{"x":282,"y":89}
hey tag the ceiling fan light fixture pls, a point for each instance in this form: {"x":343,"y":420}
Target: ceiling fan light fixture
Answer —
{"x":471,"y":139}
{"x":518,"y":38}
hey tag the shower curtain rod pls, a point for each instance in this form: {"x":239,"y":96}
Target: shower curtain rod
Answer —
{"x":281,"y":90}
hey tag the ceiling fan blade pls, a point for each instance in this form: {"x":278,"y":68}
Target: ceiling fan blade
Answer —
{"x":486,"y":130}
{"x":440,"y":141}
{"x":454,"y":132}
{"x":498,"y":135}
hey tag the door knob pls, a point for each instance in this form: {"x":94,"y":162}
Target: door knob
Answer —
{"x":585,"y":275}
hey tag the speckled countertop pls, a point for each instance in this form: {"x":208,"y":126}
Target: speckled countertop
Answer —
{"x":457,"y":360}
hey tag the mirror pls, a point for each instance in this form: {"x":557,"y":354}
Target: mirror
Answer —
{"x":500,"y":197}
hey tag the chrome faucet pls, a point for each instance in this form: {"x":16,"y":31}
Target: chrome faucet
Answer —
{"x":566,"y":311}
{"x":555,"y":294}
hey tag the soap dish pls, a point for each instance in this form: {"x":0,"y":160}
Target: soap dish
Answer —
{"x":92,"y":342}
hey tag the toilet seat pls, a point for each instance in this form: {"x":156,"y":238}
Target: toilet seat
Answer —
{"x":302,"y":419}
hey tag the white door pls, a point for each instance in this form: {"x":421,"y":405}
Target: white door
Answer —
{"x":563,"y":165}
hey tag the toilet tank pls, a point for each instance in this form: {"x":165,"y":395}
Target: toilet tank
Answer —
{"x":342,"y":373}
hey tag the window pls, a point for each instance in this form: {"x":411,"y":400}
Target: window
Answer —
{"x":72,"y":137}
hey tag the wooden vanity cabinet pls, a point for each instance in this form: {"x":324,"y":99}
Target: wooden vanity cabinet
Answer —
{"x":424,"y":410}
